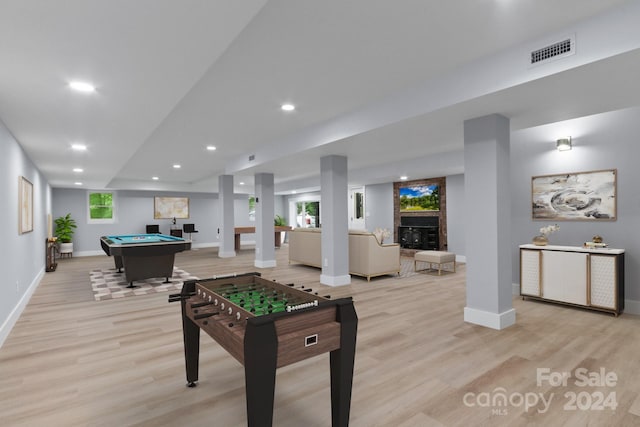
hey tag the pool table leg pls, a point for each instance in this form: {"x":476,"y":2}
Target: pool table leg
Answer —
{"x":118,"y":262}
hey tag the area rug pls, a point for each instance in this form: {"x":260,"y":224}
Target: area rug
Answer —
{"x":406,"y":267}
{"x":109,"y":284}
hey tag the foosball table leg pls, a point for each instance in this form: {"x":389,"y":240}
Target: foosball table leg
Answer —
{"x":342,"y":361}
{"x":191,"y":337}
{"x":260,"y":361}
{"x":191,"y":351}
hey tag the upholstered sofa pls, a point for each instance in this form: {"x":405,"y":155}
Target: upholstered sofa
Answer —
{"x":367,"y":257}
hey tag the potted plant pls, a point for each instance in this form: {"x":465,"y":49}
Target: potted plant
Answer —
{"x":279,"y":221}
{"x":280,"y":235}
{"x":65,"y":227}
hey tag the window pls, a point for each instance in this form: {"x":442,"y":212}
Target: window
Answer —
{"x":101,"y":208}
{"x":252,"y":208}
{"x":358,"y":206}
{"x":308,"y":214}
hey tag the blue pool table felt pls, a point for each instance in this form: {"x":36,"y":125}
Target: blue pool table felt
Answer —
{"x":128,"y":239}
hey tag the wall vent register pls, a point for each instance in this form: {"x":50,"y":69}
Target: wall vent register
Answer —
{"x":560,"y":49}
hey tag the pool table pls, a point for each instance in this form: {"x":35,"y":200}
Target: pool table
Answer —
{"x":144,"y":256}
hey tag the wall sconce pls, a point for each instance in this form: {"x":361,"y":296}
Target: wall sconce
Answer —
{"x":564,"y":144}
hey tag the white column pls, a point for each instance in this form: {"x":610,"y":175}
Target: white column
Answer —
{"x":335,"y":221}
{"x":225,"y":196}
{"x":265,"y":214}
{"x":487,"y":222}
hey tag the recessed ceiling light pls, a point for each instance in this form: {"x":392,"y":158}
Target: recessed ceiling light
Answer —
{"x":241,"y":183}
{"x":79,"y":147}
{"x":288,"y":107}
{"x":82,"y":86}
{"x":177,"y":166}
{"x":155,"y":178}
{"x":78,"y":170}
{"x":211,"y":148}
{"x":77,"y":183}
{"x":403,"y":178}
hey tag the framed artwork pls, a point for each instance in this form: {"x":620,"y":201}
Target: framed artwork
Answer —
{"x":25,"y":202}
{"x":419,"y":198}
{"x":170,"y":207}
{"x":581,"y":196}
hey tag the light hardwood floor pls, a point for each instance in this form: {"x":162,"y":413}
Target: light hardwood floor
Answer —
{"x":73,"y":361}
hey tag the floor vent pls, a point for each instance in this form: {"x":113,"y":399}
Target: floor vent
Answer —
{"x":557,"y":50}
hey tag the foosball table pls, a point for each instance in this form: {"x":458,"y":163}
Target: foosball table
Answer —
{"x":266,"y":325}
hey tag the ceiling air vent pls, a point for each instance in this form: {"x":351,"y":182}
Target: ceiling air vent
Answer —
{"x":556,"y":50}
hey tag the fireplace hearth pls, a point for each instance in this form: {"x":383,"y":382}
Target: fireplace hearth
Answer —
{"x":419,"y":233}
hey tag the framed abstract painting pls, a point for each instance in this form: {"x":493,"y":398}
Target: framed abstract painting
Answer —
{"x":577,"y":196}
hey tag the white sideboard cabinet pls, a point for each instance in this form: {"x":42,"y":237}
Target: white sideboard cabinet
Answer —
{"x":590,"y":278}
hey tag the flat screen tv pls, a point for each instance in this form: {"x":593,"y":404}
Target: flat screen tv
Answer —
{"x":420,"y":198}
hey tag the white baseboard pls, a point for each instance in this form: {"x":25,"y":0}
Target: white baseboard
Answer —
{"x":631,"y":306}
{"x":8,"y":324}
{"x":204,"y":245}
{"x":335,"y":280}
{"x":88,"y":253}
{"x":515,"y":288}
{"x":264,"y":264}
{"x":490,"y":320}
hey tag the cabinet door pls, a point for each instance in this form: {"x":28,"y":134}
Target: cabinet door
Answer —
{"x":564,"y":276}
{"x":529,"y":272}
{"x":603,"y":281}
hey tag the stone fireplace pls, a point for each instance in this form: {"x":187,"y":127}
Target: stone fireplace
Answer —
{"x":424,"y":229}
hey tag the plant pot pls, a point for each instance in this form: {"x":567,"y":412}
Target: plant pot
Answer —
{"x":540,"y":240}
{"x":66,"y":248}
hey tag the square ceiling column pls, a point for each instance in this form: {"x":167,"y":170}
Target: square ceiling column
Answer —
{"x":488,"y":222}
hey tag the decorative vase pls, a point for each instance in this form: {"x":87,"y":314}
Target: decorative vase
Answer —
{"x":540,"y":240}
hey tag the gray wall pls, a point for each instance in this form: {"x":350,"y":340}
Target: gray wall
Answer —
{"x":455,"y":215}
{"x":378,"y":206}
{"x":135,"y":211}
{"x":22,"y":256}
{"x":605,"y":141}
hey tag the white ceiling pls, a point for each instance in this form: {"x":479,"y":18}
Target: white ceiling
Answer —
{"x":388,"y":84}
